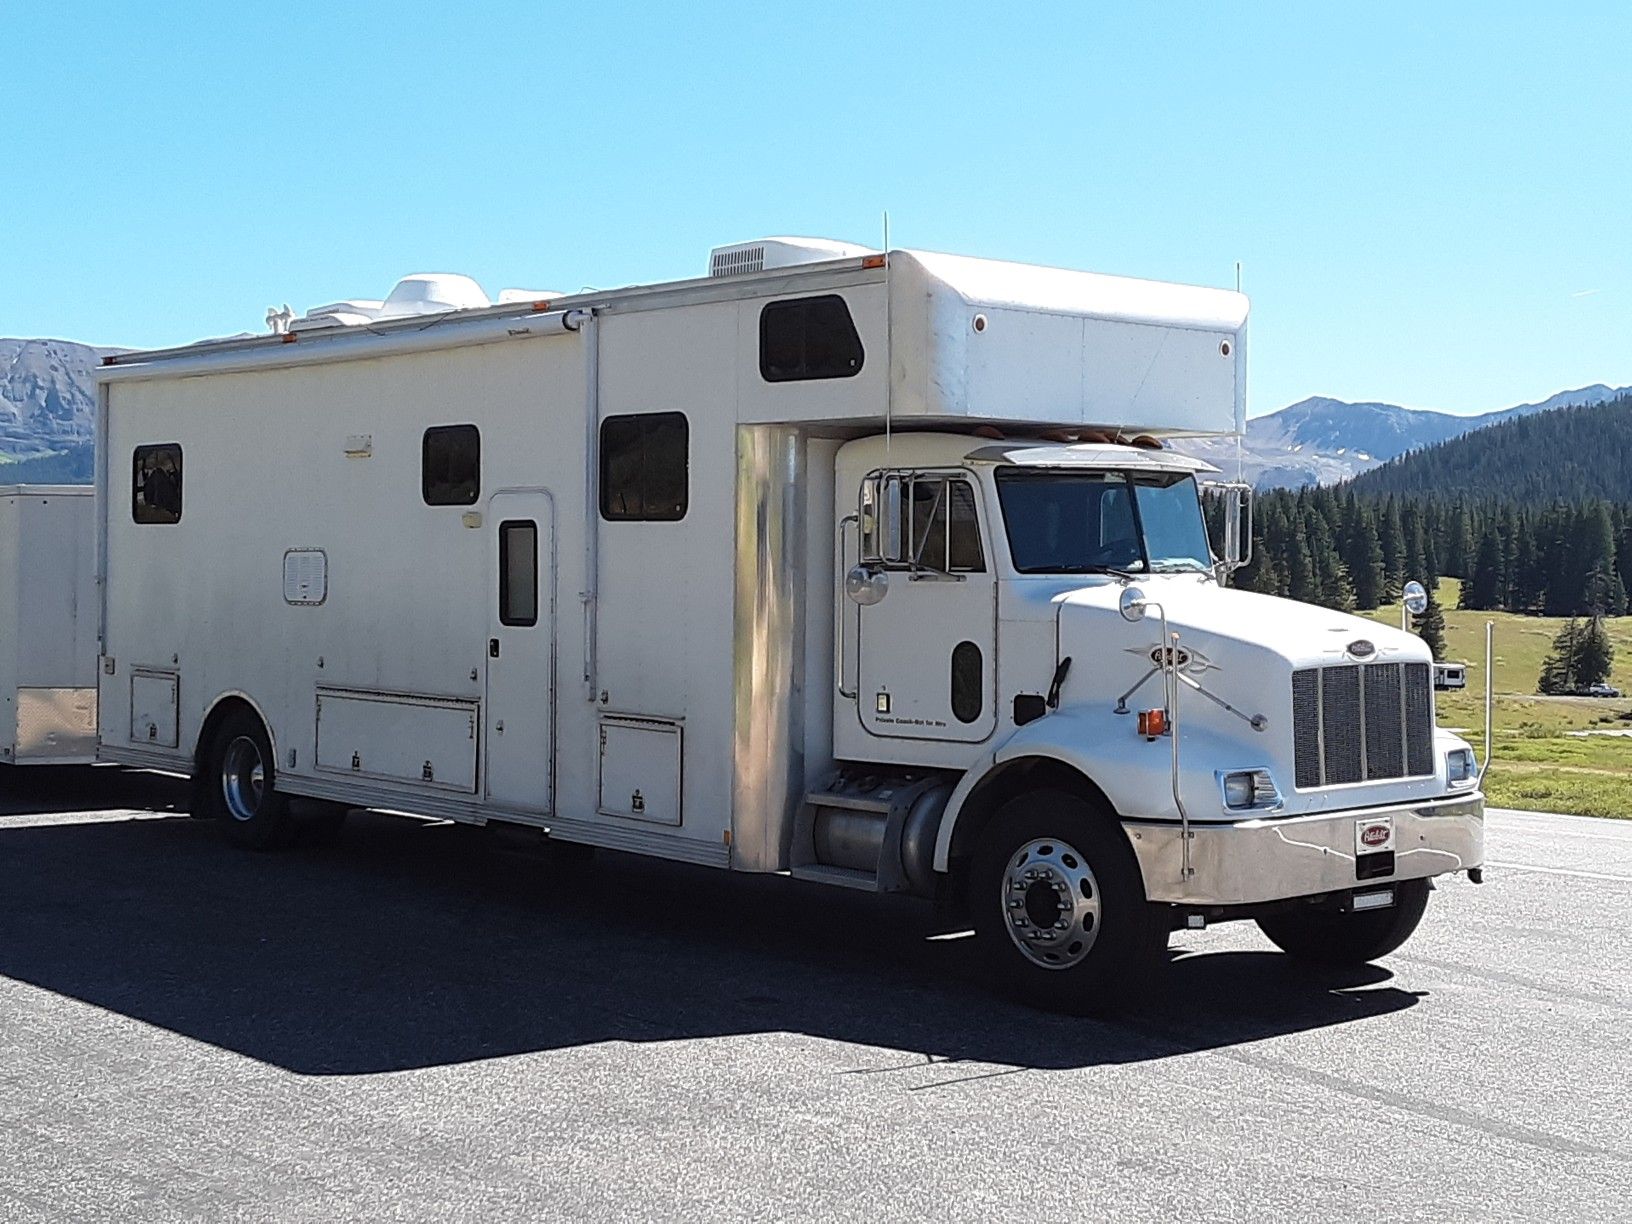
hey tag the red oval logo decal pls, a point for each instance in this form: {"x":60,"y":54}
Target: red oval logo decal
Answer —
{"x":1377,"y":835}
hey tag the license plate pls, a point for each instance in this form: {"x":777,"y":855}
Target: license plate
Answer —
{"x":1381,"y":899}
{"x":1374,"y":836}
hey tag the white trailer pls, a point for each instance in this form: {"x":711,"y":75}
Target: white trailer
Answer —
{"x":48,"y":614}
{"x":866,"y":568}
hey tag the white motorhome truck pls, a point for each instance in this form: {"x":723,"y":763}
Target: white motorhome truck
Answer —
{"x":866,"y":568}
{"x":48,"y":613}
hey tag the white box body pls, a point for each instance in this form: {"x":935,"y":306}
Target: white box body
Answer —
{"x":673,"y":694}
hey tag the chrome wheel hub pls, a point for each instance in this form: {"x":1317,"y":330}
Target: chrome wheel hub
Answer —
{"x":1051,"y":901}
{"x":243,"y":778}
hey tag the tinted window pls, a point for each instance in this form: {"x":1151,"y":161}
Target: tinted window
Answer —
{"x":155,"y":486}
{"x":1069,"y":522}
{"x":518,"y":572}
{"x":644,"y":467}
{"x":451,"y":465}
{"x":805,"y":338}
{"x":1175,"y":532}
{"x":967,"y":668}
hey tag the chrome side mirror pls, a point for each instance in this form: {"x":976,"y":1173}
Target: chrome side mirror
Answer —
{"x":1132,"y":604}
{"x":1237,"y":525}
{"x":1416,"y":598}
{"x":866,"y":585}
{"x":891,"y":546}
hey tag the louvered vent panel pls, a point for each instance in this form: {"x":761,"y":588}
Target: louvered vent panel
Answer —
{"x":738,"y":262}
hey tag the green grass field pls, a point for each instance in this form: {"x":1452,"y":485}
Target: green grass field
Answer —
{"x":1538,"y":763}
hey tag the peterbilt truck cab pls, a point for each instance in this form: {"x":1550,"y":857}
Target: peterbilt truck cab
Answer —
{"x":1137,"y":746}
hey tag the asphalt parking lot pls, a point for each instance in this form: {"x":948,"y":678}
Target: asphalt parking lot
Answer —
{"x":413,"y":1022}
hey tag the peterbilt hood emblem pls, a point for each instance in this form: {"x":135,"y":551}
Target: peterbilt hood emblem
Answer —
{"x":1188,"y":660}
{"x":1361,"y":649}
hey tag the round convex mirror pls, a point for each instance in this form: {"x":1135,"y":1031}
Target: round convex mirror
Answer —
{"x":1416,"y":598}
{"x":865,"y":585}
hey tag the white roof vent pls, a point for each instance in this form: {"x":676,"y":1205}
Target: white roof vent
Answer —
{"x":432,"y":293}
{"x":421,"y":294}
{"x":741,"y":258}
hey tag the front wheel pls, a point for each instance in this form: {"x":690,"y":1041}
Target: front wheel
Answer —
{"x":1059,"y":906}
{"x":1330,"y":937}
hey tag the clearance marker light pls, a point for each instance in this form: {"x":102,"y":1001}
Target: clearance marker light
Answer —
{"x":1152,"y":723}
{"x":872,"y":261}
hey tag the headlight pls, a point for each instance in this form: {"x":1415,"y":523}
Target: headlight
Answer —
{"x":1459,"y":769}
{"x":1249,"y":790}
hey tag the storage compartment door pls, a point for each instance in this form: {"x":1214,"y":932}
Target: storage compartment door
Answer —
{"x":153,"y":708}
{"x":641,"y":770}
{"x":397,"y":737}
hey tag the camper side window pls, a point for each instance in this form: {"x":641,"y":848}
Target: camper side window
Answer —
{"x":450,"y":471}
{"x":155,"y":487}
{"x":645,"y":470}
{"x":808,"y":338}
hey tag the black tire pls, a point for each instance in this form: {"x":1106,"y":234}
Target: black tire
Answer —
{"x":1330,"y":937}
{"x":1108,"y":971}
{"x":252,"y":814}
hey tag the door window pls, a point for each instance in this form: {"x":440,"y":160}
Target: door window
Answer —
{"x":922,"y":521}
{"x":518,"y":572}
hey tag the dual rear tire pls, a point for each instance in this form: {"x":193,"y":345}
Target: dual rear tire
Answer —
{"x":238,"y":788}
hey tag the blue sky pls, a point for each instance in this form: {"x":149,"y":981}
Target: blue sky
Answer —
{"x":1433,"y":203}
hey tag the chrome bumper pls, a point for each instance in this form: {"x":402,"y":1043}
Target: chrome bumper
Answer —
{"x":1253,"y":861}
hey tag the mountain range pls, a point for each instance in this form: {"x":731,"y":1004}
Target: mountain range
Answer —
{"x":1322,"y":441}
{"x":48,"y":425}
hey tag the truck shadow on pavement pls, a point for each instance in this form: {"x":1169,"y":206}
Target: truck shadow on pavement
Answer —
{"x":403,"y":944}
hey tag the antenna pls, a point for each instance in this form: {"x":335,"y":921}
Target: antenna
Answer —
{"x":1240,"y":457}
{"x":888,"y":393}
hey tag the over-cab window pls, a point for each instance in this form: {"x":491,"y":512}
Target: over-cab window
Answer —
{"x":922,"y":521}
{"x":450,"y":471}
{"x":808,"y":338}
{"x":645,"y":470}
{"x":155,"y":486}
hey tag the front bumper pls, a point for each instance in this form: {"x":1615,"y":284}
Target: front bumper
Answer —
{"x":1252,"y":861}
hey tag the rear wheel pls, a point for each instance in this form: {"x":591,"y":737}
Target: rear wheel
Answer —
{"x":1332,"y":937}
{"x":1059,"y":907}
{"x":239,"y":786}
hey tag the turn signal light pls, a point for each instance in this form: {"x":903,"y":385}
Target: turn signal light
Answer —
{"x":1152,"y":723}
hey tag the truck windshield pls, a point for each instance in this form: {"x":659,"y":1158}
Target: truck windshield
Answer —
{"x":1068,"y":522}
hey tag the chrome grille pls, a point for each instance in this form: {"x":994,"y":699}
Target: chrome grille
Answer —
{"x":1362,"y":723}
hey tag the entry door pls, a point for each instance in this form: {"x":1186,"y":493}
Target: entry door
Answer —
{"x":521,"y":652}
{"x":927,"y":650}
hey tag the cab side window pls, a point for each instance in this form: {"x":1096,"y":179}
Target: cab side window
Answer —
{"x":922,"y":521}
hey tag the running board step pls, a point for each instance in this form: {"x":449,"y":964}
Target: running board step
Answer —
{"x":844,"y":877}
{"x":853,"y":803}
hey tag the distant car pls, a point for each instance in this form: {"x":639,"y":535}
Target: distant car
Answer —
{"x":1450,"y":676}
{"x":1603,"y":690}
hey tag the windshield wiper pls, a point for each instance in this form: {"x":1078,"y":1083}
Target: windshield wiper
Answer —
{"x":1086,"y":569}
